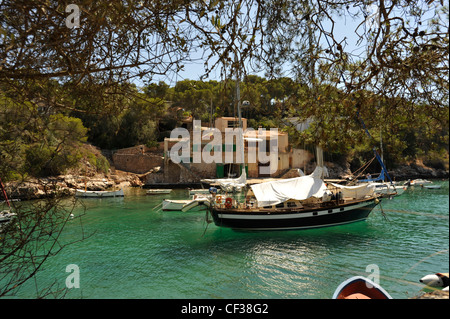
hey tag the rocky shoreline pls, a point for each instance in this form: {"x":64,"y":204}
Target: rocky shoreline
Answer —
{"x":66,"y":185}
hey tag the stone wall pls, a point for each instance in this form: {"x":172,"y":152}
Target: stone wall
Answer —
{"x":136,"y":160}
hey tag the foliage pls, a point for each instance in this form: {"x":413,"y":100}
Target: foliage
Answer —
{"x":63,"y":86}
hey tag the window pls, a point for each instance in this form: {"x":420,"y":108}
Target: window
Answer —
{"x":232,"y":124}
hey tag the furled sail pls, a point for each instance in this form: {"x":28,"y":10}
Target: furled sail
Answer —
{"x":299,"y":188}
{"x":357,"y":192}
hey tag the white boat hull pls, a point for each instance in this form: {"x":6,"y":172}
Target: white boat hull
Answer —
{"x":99,"y":194}
{"x":158,"y":191}
{"x":420,"y":182}
{"x":432,"y":186}
{"x":389,"y":190}
{"x":184,"y":204}
{"x":198,"y":191}
{"x":6,"y":216}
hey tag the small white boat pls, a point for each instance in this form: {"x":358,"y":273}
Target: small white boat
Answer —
{"x":198,"y":191}
{"x":158,"y":191}
{"x":196,"y":203}
{"x":420,"y":182}
{"x":98,"y":194}
{"x":432,"y":186}
{"x":6,"y":216}
{"x":386,"y":189}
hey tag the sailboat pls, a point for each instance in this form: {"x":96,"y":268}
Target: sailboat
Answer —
{"x":296,"y":203}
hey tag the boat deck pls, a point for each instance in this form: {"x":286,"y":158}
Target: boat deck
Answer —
{"x":245,"y":208}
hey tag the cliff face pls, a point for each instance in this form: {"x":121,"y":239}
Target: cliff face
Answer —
{"x":413,"y":171}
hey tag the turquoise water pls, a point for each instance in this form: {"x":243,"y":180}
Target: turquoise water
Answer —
{"x":136,"y":251}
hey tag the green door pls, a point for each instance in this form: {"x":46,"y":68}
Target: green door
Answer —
{"x":219,"y":171}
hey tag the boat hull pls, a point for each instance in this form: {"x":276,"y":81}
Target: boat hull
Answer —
{"x":179,"y":204}
{"x":158,"y":191}
{"x":295,"y":219}
{"x":99,"y":194}
{"x":359,"y":287}
{"x":390,"y":191}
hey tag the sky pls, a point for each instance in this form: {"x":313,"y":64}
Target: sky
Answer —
{"x":344,"y":29}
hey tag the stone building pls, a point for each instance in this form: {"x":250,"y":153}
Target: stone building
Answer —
{"x":213,"y":154}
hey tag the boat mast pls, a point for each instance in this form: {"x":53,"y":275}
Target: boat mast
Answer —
{"x":238,"y":102}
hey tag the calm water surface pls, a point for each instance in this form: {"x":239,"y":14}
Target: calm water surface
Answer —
{"x":138,"y":251}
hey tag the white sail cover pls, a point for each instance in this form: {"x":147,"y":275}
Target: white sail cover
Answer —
{"x":299,"y":188}
{"x":357,"y":192}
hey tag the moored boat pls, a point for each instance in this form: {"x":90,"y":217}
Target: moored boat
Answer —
{"x":199,"y":191}
{"x":359,"y":287}
{"x":420,"y":182}
{"x":432,"y":186}
{"x":98,"y":194}
{"x":157,"y":191}
{"x":387,"y":190}
{"x":196,"y":203}
{"x":6,"y":216}
{"x":297,"y":203}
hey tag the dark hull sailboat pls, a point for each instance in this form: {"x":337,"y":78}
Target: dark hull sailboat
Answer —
{"x":290,"y":218}
{"x":296,"y":203}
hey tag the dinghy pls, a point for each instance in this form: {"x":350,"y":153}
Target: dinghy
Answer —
{"x":359,"y":287}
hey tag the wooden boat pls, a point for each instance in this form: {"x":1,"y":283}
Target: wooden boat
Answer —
{"x":158,"y":191}
{"x":298,"y":203}
{"x":98,"y":194}
{"x":359,"y":287}
{"x":292,"y":215}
